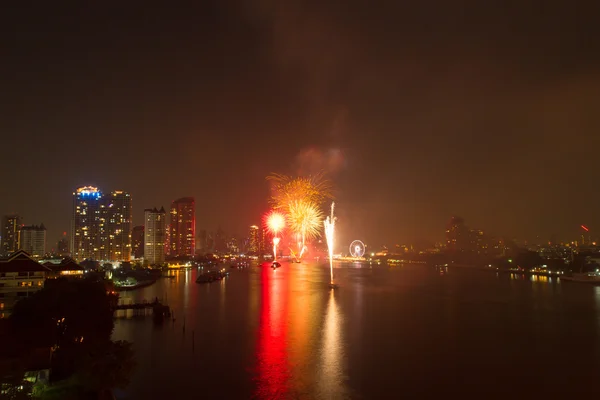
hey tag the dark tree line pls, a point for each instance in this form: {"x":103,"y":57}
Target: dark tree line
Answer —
{"x":75,"y":318}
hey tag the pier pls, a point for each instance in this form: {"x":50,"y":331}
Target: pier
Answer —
{"x":130,"y":309}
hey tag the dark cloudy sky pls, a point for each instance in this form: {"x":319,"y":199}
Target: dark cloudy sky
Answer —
{"x":420,"y":109}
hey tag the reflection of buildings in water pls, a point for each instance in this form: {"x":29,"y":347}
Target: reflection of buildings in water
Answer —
{"x":273,"y":369}
{"x":331,"y":371}
{"x":517,"y":277}
{"x":222,"y":288}
{"x":186,"y":287}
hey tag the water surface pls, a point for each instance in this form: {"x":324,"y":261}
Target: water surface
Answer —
{"x":408,"y":331}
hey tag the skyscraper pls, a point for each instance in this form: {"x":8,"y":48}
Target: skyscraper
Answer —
{"x":220,"y":241}
{"x":253,"y":240}
{"x":101,"y":225}
{"x":62,"y":247}
{"x":183,"y":227}
{"x":116,"y":212}
{"x":11,"y":224}
{"x":137,"y":241}
{"x":154,"y":234}
{"x":86,"y":224}
{"x":202,"y":241}
{"x":33,"y":240}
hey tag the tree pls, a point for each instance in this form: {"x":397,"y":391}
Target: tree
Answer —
{"x":528,"y":260}
{"x":76,"y":317}
{"x":64,"y":312}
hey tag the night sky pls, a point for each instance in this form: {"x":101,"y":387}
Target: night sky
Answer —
{"x":418,"y":109}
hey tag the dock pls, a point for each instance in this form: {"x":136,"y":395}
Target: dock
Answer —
{"x":130,"y":309}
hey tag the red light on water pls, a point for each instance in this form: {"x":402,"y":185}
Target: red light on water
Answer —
{"x":585,"y":228}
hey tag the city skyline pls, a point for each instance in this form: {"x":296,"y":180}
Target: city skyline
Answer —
{"x":489,"y":116}
{"x":52,"y":241}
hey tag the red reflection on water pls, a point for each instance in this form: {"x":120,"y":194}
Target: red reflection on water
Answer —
{"x":273,"y":366}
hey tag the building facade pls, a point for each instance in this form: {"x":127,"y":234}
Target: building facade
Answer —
{"x":101,"y":225}
{"x":154,"y":235}
{"x":86,"y":224}
{"x":20,"y":276}
{"x":137,"y":241}
{"x":11,"y":225}
{"x":182,"y":226}
{"x":253,"y":240}
{"x":116,"y":212}
{"x":62,"y":247}
{"x":33,"y":240}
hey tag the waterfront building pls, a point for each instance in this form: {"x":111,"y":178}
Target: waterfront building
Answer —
{"x":11,"y":225}
{"x":253,"y":240}
{"x":20,"y":277}
{"x":66,"y":267}
{"x":137,"y":241}
{"x":117,"y":220}
{"x":182,"y":228}
{"x":220,"y":241}
{"x":101,"y":225}
{"x":202,"y":241}
{"x":86,"y":224}
{"x":233,"y":246}
{"x":154,"y":235}
{"x":264,"y":246}
{"x":33,"y":240}
{"x":457,"y":235}
{"x":168,"y":240}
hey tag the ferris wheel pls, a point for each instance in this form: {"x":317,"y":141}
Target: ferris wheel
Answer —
{"x":357,"y":249}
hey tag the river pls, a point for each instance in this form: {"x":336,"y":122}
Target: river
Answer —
{"x":386,"y":332}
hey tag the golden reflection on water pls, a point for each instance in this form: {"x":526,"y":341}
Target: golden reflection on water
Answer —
{"x":305,"y":313}
{"x":331,"y":369}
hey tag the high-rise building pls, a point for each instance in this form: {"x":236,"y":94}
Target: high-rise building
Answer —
{"x":137,"y":241}
{"x":86,"y":224}
{"x":11,"y":225}
{"x":101,"y":225}
{"x":457,"y":235}
{"x":154,"y":235}
{"x":33,"y":240}
{"x":182,"y":238}
{"x":168,"y":240}
{"x":116,"y":212}
{"x":62,"y":247}
{"x":220,"y":241}
{"x":253,"y":240}
{"x":263,"y":245}
{"x":210,"y":242}
{"x":233,"y":246}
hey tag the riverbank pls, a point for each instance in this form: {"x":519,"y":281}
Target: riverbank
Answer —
{"x":556,"y":274}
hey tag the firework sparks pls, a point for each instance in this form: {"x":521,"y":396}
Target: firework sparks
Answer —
{"x":275,"y":243}
{"x":286,"y":190}
{"x":305,"y":220}
{"x":275,"y":222}
{"x":300,"y":200}
{"x":329,"y":235}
